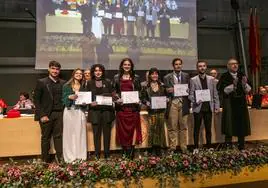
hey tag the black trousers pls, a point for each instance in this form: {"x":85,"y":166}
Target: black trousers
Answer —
{"x":52,"y":128}
{"x":241,"y":141}
{"x":87,"y":26}
{"x":150,"y":28}
{"x":107,"y":29}
{"x":198,"y":117}
{"x":102,"y":127}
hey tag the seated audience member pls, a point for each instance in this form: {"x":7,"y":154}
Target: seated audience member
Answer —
{"x":266,"y":88}
{"x":249,"y":98}
{"x":24,"y":102}
{"x":3,"y":106}
{"x":260,"y":100}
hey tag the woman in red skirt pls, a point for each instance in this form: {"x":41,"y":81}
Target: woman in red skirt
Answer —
{"x":128,"y":123}
{"x":118,"y":18}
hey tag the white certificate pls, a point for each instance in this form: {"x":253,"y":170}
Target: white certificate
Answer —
{"x":104,"y":100}
{"x":130,"y":97}
{"x":159,"y":102}
{"x":149,"y":17}
{"x":202,"y":95}
{"x":108,"y":15}
{"x":180,"y":90}
{"x":140,"y":13}
{"x":101,"y":13}
{"x":119,"y":15}
{"x":84,"y":97}
{"x":131,"y":18}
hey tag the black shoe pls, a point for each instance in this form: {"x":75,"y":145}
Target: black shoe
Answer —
{"x":241,"y":147}
{"x":106,"y":155}
{"x":97,"y":156}
{"x":132,"y":153}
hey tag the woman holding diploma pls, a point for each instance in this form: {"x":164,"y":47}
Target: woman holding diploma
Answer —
{"x":155,"y":88}
{"x":128,"y":123}
{"x":74,"y":120}
{"x":101,"y":112}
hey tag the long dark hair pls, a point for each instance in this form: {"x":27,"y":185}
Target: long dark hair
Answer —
{"x":121,"y":70}
{"x":151,"y":71}
{"x":92,"y":70}
{"x":71,"y":81}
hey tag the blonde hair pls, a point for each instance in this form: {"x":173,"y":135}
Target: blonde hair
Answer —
{"x":71,"y":82}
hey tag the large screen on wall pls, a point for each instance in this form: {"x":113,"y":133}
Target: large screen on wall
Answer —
{"x":79,"y":33}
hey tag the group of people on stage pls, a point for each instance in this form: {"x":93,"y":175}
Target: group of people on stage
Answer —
{"x":114,"y":14}
{"x":60,"y":117}
{"x":139,"y":14}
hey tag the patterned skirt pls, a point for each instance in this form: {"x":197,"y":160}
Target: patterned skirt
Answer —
{"x":157,"y":135}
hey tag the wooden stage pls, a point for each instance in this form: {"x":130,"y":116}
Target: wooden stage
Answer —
{"x":21,"y":136}
{"x":245,"y":176}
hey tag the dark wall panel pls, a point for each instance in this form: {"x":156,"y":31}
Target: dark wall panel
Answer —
{"x":17,"y":42}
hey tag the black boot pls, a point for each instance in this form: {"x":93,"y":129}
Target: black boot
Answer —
{"x":132,"y":152}
{"x":106,"y":155}
{"x":124,"y":152}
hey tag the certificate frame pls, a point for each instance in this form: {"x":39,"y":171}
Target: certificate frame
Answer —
{"x":84,"y":97}
{"x":101,"y":13}
{"x":119,"y":15}
{"x":158,"y":102}
{"x":104,"y":100}
{"x":130,"y":97}
{"x":180,"y":90}
{"x":108,"y":15}
{"x":203,"y":95}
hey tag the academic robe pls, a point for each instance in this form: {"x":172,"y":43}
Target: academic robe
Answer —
{"x":235,"y":115}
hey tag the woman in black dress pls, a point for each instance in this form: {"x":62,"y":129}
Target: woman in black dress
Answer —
{"x":101,"y":115}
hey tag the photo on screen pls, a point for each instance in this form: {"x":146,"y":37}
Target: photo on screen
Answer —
{"x":80,"y":33}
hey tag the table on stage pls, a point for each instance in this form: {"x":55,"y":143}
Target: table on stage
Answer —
{"x":21,"y":136}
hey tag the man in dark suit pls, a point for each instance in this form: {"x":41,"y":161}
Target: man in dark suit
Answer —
{"x":202,"y":110}
{"x":49,"y":110}
{"x":86,"y":16}
{"x":178,"y":107}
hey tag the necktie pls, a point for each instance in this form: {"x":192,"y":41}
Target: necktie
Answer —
{"x":179,"y":78}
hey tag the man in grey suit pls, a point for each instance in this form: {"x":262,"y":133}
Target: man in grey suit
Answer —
{"x":202,"y":110}
{"x":178,"y":108}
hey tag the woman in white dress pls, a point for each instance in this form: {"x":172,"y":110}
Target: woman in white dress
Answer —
{"x":74,"y":120}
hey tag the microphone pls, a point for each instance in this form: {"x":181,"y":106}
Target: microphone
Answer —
{"x":30,"y":13}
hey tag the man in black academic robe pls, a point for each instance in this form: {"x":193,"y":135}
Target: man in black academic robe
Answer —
{"x":86,"y":11}
{"x":233,"y":88}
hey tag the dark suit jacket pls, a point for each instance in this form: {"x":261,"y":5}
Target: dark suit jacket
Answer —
{"x":86,"y":12}
{"x":169,"y":83}
{"x":94,"y":112}
{"x":43,"y":98}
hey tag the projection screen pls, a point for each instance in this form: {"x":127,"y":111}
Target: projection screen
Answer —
{"x":79,"y":33}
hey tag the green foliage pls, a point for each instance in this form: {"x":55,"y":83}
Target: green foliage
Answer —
{"x":166,"y":170}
